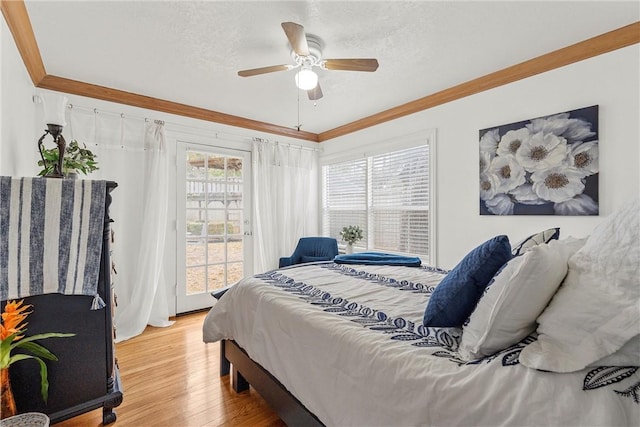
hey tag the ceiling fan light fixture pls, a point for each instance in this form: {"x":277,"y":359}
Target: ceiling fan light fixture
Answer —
{"x":306,"y":78}
{"x":306,"y":52}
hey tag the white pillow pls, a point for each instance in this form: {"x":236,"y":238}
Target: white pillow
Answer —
{"x":514,"y":299}
{"x":628,"y":355}
{"x":597,"y":309}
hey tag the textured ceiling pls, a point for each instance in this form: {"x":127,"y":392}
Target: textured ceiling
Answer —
{"x":190,"y":52}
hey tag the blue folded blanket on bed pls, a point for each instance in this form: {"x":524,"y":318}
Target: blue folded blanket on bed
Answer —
{"x":377,"y":258}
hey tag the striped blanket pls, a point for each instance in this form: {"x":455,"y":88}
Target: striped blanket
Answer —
{"x":50,"y":236}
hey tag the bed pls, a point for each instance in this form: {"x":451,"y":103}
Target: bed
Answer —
{"x":342,"y":344}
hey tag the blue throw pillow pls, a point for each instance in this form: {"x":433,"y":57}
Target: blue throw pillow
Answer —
{"x":534,"y":240}
{"x":455,"y":297}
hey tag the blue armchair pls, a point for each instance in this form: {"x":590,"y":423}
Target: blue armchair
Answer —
{"x":312,"y":249}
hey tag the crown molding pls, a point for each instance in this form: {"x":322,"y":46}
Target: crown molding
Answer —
{"x":76,"y":87}
{"x":607,"y":42}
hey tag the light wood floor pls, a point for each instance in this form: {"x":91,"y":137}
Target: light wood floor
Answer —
{"x":170,"y":378}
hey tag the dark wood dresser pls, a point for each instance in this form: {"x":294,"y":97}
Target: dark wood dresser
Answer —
{"x":86,"y":376}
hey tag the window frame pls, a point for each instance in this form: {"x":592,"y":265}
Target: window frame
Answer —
{"x":185,"y":302}
{"x":383,"y":147}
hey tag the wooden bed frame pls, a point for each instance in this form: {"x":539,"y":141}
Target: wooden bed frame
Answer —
{"x":244,"y":372}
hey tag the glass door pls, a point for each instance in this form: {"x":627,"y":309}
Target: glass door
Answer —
{"x":214,"y":223}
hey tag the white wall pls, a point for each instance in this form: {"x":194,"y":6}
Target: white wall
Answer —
{"x":18,"y":140}
{"x":610,"y":81}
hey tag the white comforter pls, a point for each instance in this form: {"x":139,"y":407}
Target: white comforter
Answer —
{"x":348,"y":342}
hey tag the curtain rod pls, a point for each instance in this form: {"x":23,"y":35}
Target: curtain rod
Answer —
{"x":267,"y":141}
{"x":71,"y":106}
{"x":217,"y":134}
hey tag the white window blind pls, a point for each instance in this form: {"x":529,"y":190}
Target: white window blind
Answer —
{"x":345,"y":197}
{"x":399,"y":201}
{"x":387,"y":195}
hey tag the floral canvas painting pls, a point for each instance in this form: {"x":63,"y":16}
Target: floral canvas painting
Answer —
{"x":542,"y":166}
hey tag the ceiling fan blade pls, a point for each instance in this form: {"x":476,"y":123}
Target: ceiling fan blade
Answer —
{"x":297,"y":38}
{"x":315,"y":93}
{"x":364,"y":64}
{"x":263,"y":70}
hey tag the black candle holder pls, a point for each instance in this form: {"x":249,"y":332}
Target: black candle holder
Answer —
{"x":56,"y":132}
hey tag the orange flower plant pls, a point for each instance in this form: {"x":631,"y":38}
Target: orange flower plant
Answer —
{"x":12,"y":336}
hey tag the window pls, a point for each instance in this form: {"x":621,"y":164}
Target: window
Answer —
{"x":387,"y":195}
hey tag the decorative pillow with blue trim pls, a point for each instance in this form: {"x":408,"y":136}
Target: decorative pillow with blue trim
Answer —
{"x":455,"y":297}
{"x":534,"y":240}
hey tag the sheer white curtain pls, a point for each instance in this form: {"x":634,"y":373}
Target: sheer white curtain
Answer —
{"x":148,"y":302}
{"x":285,"y":183}
{"x":133,"y":153}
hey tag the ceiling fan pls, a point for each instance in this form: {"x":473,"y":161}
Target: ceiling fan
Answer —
{"x":306,"y":51}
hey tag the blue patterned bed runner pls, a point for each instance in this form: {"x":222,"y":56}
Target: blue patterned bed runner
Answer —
{"x":396,"y":328}
{"x":50,"y":236}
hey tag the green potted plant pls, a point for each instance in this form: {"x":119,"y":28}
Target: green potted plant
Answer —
{"x":351,"y":234}
{"x":76,"y":159}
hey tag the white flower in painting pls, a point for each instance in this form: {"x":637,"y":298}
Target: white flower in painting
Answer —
{"x":489,"y":142}
{"x":579,"y":205}
{"x":557,"y":184}
{"x":488,"y":186}
{"x":485,"y":161}
{"x":501,"y":204}
{"x":508,"y":171}
{"x":542,"y":151}
{"x":583,"y":156}
{"x":511,"y":142}
{"x":524,"y":194}
{"x":562,"y":125}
